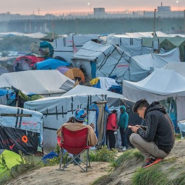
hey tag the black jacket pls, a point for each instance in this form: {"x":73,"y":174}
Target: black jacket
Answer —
{"x":159,"y":128}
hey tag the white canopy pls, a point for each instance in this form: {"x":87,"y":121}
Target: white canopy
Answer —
{"x":159,"y":85}
{"x":85,"y":90}
{"x":177,"y":67}
{"x":143,"y":65}
{"x":44,"y":82}
{"x":153,"y":60}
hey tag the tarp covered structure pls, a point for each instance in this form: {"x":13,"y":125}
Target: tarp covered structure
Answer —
{"x":65,"y":46}
{"x":177,"y":67}
{"x":159,"y":85}
{"x":99,"y":60}
{"x":92,"y":91}
{"x":51,"y":63}
{"x":131,"y":44}
{"x":141,"y":66}
{"x":173,"y":42}
{"x":58,"y":110}
{"x":41,"y":82}
{"x":20,"y":129}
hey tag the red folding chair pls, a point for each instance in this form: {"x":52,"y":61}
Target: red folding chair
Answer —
{"x":75,"y":142}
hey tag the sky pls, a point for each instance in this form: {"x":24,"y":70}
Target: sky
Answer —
{"x":57,"y":6}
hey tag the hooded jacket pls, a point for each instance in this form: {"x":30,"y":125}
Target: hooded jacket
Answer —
{"x":123,"y":120}
{"x":159,"y":127}
{"x":112,"y":122}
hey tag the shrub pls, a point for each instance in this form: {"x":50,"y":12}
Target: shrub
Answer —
{"x":130,"y":154}
{"x":152,"y":175}
{"x":103,"y":155}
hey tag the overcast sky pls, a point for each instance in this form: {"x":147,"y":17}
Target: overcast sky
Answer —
{"x":28,"y":6}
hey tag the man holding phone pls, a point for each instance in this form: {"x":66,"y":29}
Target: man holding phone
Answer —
{"x":156,"y":139}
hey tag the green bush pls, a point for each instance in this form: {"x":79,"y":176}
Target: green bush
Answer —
{"x":103,"y":155}
{"x":128,"y":155}
{"x":150,"y":176}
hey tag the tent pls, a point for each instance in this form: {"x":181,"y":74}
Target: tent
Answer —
{"x":39,"y":82}
{"x":173,"y":42}
{"x":20,"y":129}
{"x":25,"y":63}
{"x":112,"y":98}
{"x":58,"y":110}
{"x":159,"y":85}
{"x":66,"y":45}
{"x":99,"y":60}
{"x":72,"y":73}
{"x":50,"y":64}
{"x":143,"y":65}
{"x":131,"y":44}
{"x":8,"y":160}
{"x":177,"y":67}
{"x":103,"y":83}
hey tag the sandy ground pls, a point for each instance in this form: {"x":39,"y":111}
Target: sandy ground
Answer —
{"x":71,"y":176}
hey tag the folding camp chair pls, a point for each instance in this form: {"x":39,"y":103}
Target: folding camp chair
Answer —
{"x":76,"y":143}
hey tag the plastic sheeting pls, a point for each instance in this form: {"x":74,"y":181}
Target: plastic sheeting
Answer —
{"x":159,"y":85}
{"x":18,"y":140}
{"x":58,"y":110}
{"x":143,"y":65}
{"x":21,"y":118}
{"x":110,"y":60}
{"x":50,"y":64}
{"x":66,"y":46}
{"x":41,"y":82}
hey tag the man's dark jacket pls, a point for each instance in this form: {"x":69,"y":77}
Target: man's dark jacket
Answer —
{"x":159,"y":128}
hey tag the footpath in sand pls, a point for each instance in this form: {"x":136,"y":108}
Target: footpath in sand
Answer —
{"x":71,"y":176}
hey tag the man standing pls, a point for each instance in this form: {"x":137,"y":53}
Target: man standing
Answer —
{"x":156,"y":140}
{"x":111,"y":128}
{"x":123,"y":125}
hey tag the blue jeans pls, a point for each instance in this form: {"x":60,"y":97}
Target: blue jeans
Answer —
{"x":123,"y":133}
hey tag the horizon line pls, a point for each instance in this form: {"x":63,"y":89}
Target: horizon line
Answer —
{"x":55,"y":12}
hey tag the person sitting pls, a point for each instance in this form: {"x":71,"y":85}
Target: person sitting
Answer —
{"x":111,"y":128}
{"x":77,"y":124}
{"x":156,"y":139}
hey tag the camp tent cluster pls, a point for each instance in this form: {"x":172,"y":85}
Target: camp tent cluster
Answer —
{"x":126,"y":63}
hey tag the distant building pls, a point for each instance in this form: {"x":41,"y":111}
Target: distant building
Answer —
{"x":99,"y":11}
{"x":162,"y":9}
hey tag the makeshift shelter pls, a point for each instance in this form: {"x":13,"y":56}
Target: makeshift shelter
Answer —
{"x":112,"y":98}
{"x":159,"y":85}
{"x":20,"y":129}
{"x":72,"y":73}
{"x":8,"y":160}
{"x":143,"y":65}
{"x":99,"y":60}
{"x":174,"y":42}
{"x":50,"y":64}
{"x":132,"y":45}
{"x":25,"y":63}
{"x":58,"y":110}
{"x":66,"y":45}
{"x":104,"y":83}
{"x":40,"y":82}
{"x":177,"y":67}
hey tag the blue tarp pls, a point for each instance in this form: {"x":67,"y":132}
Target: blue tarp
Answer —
{"x":51,"y":64}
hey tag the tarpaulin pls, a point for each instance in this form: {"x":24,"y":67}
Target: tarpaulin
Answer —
{"x":18,"y":140}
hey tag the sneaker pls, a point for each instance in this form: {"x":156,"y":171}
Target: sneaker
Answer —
{"x":124,"y":148}
{"x":152,"y":161}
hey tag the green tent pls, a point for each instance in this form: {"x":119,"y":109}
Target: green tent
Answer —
{"x":173,"y":42}
{"x":8,"y":160}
